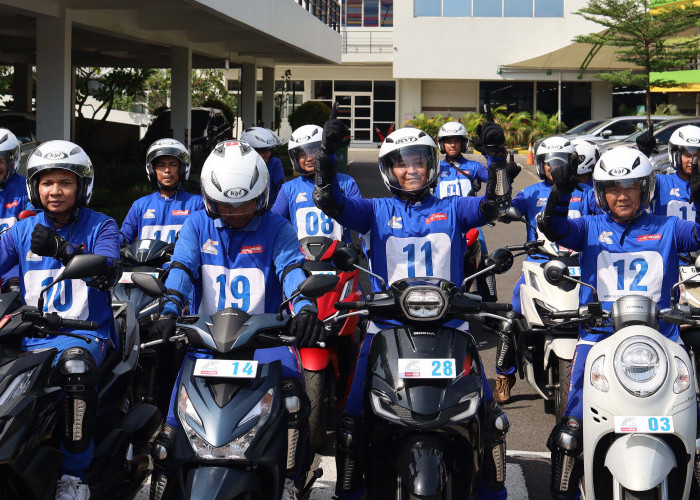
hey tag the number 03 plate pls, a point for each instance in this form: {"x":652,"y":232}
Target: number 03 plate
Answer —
{"x":225,"y":368}
{"x":426,"y":368}
{"x":644,"y":424}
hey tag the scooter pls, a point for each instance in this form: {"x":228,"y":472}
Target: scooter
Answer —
{"x":328,"y":367}
{"x":30,"y":459}
{"x":639,"y":400}
{"x":233,"y":441}
{"x":425,"y":413}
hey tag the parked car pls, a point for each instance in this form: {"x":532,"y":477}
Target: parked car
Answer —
{"x":23,"y":125}
{"x":620,"y":127}
{"x":209,"y":127}
{"x":581,"y":128}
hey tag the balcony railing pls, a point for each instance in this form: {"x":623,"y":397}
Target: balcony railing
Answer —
{"x":368,"y":42}
{"x":328,"y":11}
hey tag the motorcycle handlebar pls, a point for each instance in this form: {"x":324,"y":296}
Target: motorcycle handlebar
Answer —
{"x":346,"y":306}
{"x":53,"y":320}
{"x":573,"y":314}
{"x":496,"y":307}
{"x":77,"y":324}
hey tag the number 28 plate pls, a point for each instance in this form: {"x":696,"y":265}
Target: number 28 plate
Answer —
{"x":426,"y":368}
{"x":644,"y":424}
{"x":225,"y":368}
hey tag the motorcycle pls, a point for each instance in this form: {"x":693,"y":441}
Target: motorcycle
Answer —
{"x":328,"y":367}
{"x":424,"y":396}
{"x":639,"y":400}
{"x":233,"y":440}
{"x":30,"y":458}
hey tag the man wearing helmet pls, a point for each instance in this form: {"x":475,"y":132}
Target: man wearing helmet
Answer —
{"x":295,"y":201}
{"x":588,"y":154}
{"x":264,"y":141}
{"x":59,"y":180}
{"x":160,"y":215}
{"x":625,"y":250}
{"x":236,"y":253}
{"x":412,"y":234}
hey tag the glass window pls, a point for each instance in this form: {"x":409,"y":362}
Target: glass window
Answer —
{"x":297,"y":85}
{"x":549,"y":8}
{"x":383,"y":129}
{"x":487,"y":8}
{"x":233,"y":86}
{"x":362,"y":135}
{"x":517,"y":8}
{"x":384,"y":111}
{"x":362,"y":111}
{"x":384,"y":91}
{"x":457,"y":8}
{"x":371,"y":9}
{"x":354,"y":12}
{"x":363,"y":100}
{"x":387,"y":13}
{"x":323,"y":89}
{"x":426,"y":8}
{"x":515,"y":96}
{"x":352,"y":86}
{"x":361,"y":123}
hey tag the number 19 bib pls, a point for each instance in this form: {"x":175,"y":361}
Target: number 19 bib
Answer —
{"x":242,"y":288}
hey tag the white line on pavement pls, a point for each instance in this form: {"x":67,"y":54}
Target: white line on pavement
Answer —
{"x":528,"y":454}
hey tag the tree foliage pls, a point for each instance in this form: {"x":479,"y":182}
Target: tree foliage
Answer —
{"x":650,"y":39}
{"x":110,"y":86}
{"x":309,"y":113}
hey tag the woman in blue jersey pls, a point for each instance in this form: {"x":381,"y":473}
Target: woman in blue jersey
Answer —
{"x":624,"y":251}
{"x":412,"y":234}
{"x":59,"y":180}
{"x":160,"y":215}
{"x":264,"y":141}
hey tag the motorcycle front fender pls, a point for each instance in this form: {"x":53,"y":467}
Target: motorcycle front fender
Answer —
{"x":639,"y":462}
{"x":562,"y":347}
{"x":221,"y":483}
{"x":314,"y":358}
{"x":422,"y":467}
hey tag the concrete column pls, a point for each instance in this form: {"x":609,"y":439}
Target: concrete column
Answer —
{"x":54,"y":101}
{"x":410,"y":100}
{"x":24,"y":85}
{"x":268,"y":98}
{"x":249,"y":89}
{"x":601,"y":100}
{"x":181,"y":92}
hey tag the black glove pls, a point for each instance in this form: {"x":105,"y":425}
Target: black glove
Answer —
{"x":512,"y":169}
{"x":491,"y":140}
{"x":565,"y":177}
{"x":164,"y":327}
{"x":476,"y":186}
{"x":694,"y":182}
{"x":646,"y":142}
{"x":307,"y":328}
{"x":47,"y":243}
{"x":334,"y":133}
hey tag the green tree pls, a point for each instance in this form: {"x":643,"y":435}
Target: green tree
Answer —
{"x":309,"y":113}
{"x":110,"y":86}
{"x":649,"y":38}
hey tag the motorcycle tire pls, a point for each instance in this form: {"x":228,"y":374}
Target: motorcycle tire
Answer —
{"x":562,"y":390}
{"x":641,"y":495}
{"x":316,"y":390}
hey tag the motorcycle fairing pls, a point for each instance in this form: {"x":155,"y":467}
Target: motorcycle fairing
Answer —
{"x":147,"y":251}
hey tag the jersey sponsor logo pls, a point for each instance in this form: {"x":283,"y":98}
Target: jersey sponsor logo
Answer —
{"x":251,"y":249}
{"x":576,"y":198}
{"x":32,"y":257}
{"x":210,"y":247}
{"x":649,"y":237}
{"x":181,"y":212}
{"x":443,"y":174}
{"x":395,"y":223}
{"x":436,"y":217}
{"x":675,"y":192}
{"x":150,"y":213}
{"x":605,"y":237}
{"x":542,"y":202}
{"x":301,"y":197}
{"x":12,"y":204}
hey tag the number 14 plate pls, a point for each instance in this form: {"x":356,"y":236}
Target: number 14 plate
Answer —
{"x":426,"y":368}
{"x":644,"y":424}
{"x":225,"y":368}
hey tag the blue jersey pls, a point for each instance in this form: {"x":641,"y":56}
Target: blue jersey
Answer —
{"x":276,"y":171}
{"x":240,"y":268}
{"x":98,"y":234}
{"x":295,"y":203}
{"x":453,"y":182}
{"x":13,"y":199}
{"x":159,"y":218}
{"x":672,"y":197}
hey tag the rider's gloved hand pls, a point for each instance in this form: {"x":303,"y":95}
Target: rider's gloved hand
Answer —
{"x":307,"y":328}
{"x":164,"y":327}
{"x":646,"y":142}
{"x":565,"y":177}
{"x":491,"y":140}
{"x":47,"y":243}
{"x":334,"y":133}
{"x":512,"y":168}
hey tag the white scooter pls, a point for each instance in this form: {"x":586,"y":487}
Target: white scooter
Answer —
{"x":639,"y":401}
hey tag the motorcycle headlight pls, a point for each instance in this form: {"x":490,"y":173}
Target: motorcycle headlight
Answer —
{"x":640,"y":366}
{"x":598,"y":379}
{"x":381,"y":405}
{"x":18,"y":386}
{"x":682,"y":382}
{"x":423,"y":303}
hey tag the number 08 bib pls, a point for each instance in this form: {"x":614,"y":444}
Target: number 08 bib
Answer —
{"x":620,"y":274}
{"x":312,"y":222}
{"x":243,"y":288}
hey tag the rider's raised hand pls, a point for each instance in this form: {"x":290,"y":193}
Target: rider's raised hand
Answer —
{"x":646,"y":142}
{"x":491,"y":140}
{"x":334,"y":132}
{"x":565,"y":177}
{"x":512,"y":168}
{"x":306,"y":327}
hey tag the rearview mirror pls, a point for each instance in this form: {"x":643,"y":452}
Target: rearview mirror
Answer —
{"x":345,"y":259}
{"x":503,"y":260}
{"x":85,"y":266}
{"x":149,"y":284}
{"x":316,"y":286}
{"x":512,"y":215}
{"x":606,"y":133}
{"x":554,"y":272}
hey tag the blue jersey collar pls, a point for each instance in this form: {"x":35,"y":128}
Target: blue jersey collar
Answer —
{"x":253,"y":225}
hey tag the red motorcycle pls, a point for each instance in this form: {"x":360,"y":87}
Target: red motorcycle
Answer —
{"x":328,"y":368}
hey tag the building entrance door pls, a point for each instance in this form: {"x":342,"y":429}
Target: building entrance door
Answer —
{"x":355,"y":109}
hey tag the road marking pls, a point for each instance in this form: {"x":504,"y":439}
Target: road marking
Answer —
{"x":515,"y":482}
{"x":529,"y":454}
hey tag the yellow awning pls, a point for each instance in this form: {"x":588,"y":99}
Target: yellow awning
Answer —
{"x":691,"y":87}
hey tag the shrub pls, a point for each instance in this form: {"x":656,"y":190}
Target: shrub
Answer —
{"x":309,"y":113}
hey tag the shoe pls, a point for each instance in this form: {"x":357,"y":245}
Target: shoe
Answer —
{"x":71,"y":488}
{"x":289,"y":491}
{"x":504,"y":383}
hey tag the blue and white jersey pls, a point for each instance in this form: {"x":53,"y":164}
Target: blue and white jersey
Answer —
{"x":239,"y":268}
{"x":295,"y":203}
{"x":452,"y":182}
{"x":159,"y":218}
{"x":276,"y":171}
{"x":672,"y":197}
{"x":533,"y":199}
{"x":13,"y":199}
{"x":73,"y":299}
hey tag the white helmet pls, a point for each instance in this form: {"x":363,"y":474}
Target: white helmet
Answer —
{"x":233,"y":174}
{"x":260,"y":138}
{"x":9,"y":147}
{"x":588,"y":155}
{"x":306,"y":138}
{"x":624,"y":166}
{"x":453,"y":129}
{"x":554,"y":151}
{"x":685,"y":138}
{"x":62,"y":155}
{"x":404,"y":142}
{"x":168,"y":147}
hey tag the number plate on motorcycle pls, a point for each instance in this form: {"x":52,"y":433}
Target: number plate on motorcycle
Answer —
{"x":644,"y":425}
{"x":225,"y":368}
{"x":426,"y":368}
{"x":126,"y":277}
{"x":574,"y":271}
{"x":332,"y":273}
{"x":687,"y":272}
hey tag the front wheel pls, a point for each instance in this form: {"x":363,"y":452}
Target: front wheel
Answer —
{"x":316,"y":390}
{"x":561,"y":391}
{"x":641,"y":495}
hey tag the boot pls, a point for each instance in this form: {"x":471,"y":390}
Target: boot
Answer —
{"x":504,"y":383}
